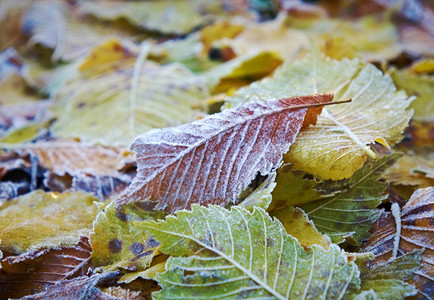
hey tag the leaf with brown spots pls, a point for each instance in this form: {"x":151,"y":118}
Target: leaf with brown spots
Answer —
{"x":398,"y":233}
{"x":116,"y":241}
{"x":212,"y":160}
{"x":32,"y":272}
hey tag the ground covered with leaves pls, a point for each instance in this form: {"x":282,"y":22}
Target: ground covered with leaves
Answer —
{"x":216,"y":149}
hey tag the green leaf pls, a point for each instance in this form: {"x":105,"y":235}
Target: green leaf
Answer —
{"x":387,"y":281}
{"x":241,"y":71}
{"x":352,"y":212}
{"x":220,"y":253}
{"x":117,"y":243}
{"x":261,"y":196}
{"x":292,"y":188}
{"x":50,"y":219}
{"x":297,"y":224}
{"x":421,"y":86}
{"x":337,"y":145}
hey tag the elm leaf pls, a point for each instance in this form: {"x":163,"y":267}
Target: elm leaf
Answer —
{"x":408,"y":230}
{"x":112,"y":101}
{"x":351,"y":212}
{"x":51,"y":219}
{"x":337,"y":145}
{"x":219,"y":253}
{"x":117,"y":243}
{"x":212,"y":160}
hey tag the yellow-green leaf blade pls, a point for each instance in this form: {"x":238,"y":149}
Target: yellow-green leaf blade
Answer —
{"x":241,"y":254}
{"x":352,"y":212}
{"x":50,"y":219}
{"x":337,"y":145}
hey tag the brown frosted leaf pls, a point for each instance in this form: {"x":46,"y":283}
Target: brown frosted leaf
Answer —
{"x":80,"y":288}
{"x":414,"y":231}
{"x":32,"y":272}
{"x":63,"y":156}
{"x":212,"y":160}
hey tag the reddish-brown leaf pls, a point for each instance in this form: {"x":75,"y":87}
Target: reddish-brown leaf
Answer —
{"x":417,"y":228}
{"x":33,"y":271}
{"x":80,"y":288}
{"x":212,"y":160}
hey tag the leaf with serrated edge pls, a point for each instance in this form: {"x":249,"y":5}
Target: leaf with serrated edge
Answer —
{"x":352,"y":212}
{"x":117,"y":243}
{"x":261,"y":196}
{"x":50,"y":219}
{"x":387,"y":281}
{"x":337,"y":145}
{"x":33,"y":271}
{"x":241,"y":254}
{"x":415,"y":229}
{"x":212,"y":160}
{"x":110,"y":103}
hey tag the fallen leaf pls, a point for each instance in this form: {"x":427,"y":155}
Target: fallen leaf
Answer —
{"x":166,"y":17}
{"x":351,"y":212}
{"x":406,"y":231}
{"x":11,"y":14}
{"x":297,"y":224}
{"x":221,"y":253}
{"x":271,"y":36}
{"x":32,"y":272}
{"x":223,"y":152}
{"x":51,"y":219}
{"x":337,"y":145}
{"x":74,"y":158}
{"x":241,"y":71}
{"x":83,"y":287}
{"x":118,"y":243}
{"x":414,"y":170}
{"x":54,"y":25}
{"x":422,"y":86}
{"x":111,"y":104}
{"x":261,"y":196}
{"x":387,"y":281}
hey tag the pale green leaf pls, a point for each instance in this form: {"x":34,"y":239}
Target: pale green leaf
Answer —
{"x":352,"y":212}
{"x":337,"y":145}
{"x":420,"y":85}
{"x":113,"y":106}
{"x":297,"y":224}
{"x":168,"y":17}
{"x":261,"y":196}
{"x":387,"y":281}
{"x":218,"y":254}
{"x":117,"y":243}
{"x":50,"y":219}
{"x":241,"y":71}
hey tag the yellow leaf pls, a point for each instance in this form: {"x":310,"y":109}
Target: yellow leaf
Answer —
{"x":45,"y":220}
{"x":297,"y":224}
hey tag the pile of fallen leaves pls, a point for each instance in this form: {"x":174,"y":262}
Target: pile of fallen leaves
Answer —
{"x":198,"y":149}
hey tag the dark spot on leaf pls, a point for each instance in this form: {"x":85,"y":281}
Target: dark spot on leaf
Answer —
{"x":115,"y":245}
{"x":270,"y":242}
{"x":137,"y":248}
{"x":80,"y":105}
{"x":122,"y":216}
{"x":143,"y":254}
{"x":151,"y":243}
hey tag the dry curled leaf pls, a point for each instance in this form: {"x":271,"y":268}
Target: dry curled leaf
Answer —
{"x":32,"y":272}
{"x":398,"y":233}
{"x":213,"y":159}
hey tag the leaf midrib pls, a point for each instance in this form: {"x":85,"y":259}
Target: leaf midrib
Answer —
{"x":234,"y":262}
